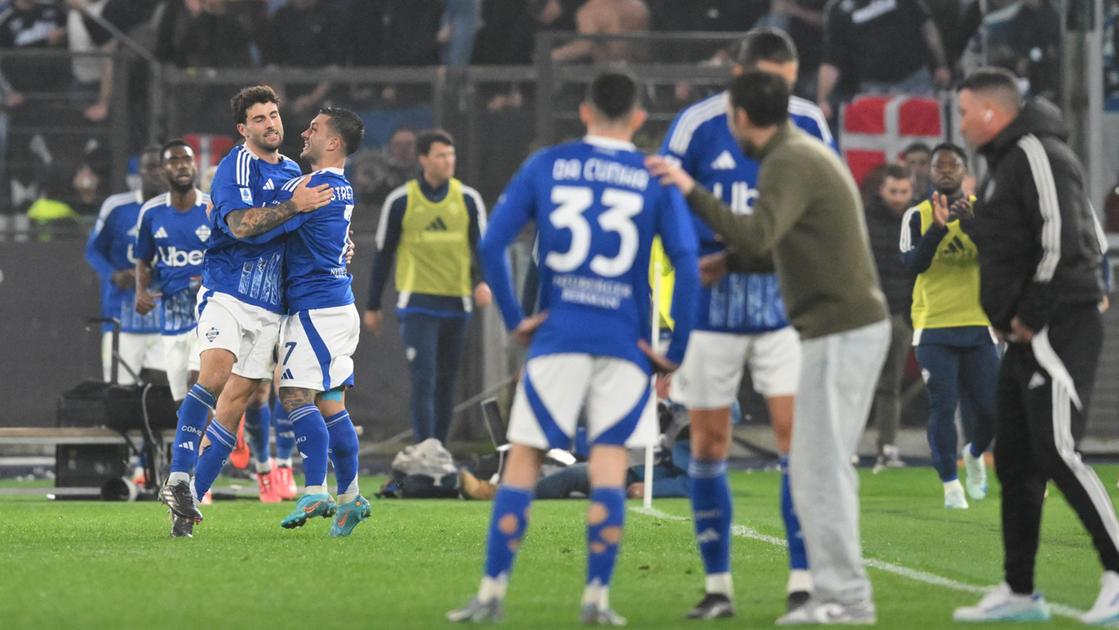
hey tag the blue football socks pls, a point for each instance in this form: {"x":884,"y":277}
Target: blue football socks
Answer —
{"x":194,"y":412}
{"x":312,"y":440}
{"x":711,"y":505}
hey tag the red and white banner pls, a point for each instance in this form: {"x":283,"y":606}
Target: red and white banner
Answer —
{"x":209,"y":148}
{"x":876,"y":129}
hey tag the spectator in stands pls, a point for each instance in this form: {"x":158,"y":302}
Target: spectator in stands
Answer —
{"x":202,"y":34}
{"x":804,"y":21}
{"x":604,"y":17}
{"x":880,"y":47}
{"x":505,"y":37}
{"x":883,"y":222}
{"x":304,"y":34}
{"x":92,"y":86}
{"x":377,"y":173}
{"x":505,"y":34}
{"x":408,"y":33}
{"x":28,"y":24}
{"x":1023,"y":36}
{"x":87,"y":188}
{"x":457,"y":29}
{"x":917,"y":157}
{"x":408,"y":30}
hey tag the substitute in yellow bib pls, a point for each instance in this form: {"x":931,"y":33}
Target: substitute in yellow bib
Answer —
{"x":430,"y":227}
{"x":954,"y":346}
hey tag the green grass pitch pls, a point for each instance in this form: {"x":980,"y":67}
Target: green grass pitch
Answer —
{"x":101,"y":565}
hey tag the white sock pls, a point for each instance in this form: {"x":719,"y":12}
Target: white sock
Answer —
{"x":263,"y":467}
{"x":493,"y":588}
{"x":350,"y":494}
{"x":177,"y":477}
{"x":799,"y":580}
{"x":314,"y":490}
{"x":597,"y":595}
{"x":284,"y":463}
{"x":720,"y":583}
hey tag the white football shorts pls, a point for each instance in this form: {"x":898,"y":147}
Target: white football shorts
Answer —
{"x":180,"y":353}
{"x":248,"y":331}
{"x":137,"y":351}
{"x":617,"y":396}
{"x":317,"y":348}
{"x":712,"y":370}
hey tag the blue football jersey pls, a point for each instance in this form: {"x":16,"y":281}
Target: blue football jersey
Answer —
{"x":249,"y":271}
{"x":701,"y":140}
{"x":109,"y":249}
{"x":596,"y":210}
{"x":315,"y":260}
{"x":175,"y":243}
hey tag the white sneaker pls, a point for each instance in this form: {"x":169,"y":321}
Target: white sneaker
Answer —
{"x":815,"y":612}
{"x":1105,"y":611}
{"x":976,"y":474}
{"x":1002,"y":604}
{"x":954,"y":496}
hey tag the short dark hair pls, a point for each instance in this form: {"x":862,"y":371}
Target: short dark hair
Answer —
{"x":989,"y":78}
{"x":915,"y":147}
{"x":992,"y":80}
{"x":954,"y":148}
{"x":896,"y":171}
{"x":764,"y":97}
{"x":246,"y":98}
{"x":171,"y":144}
{"x":347,"y":125}
{"x":766,"y":44}
{"x":426,"y":139}
{"x":614,"y":94}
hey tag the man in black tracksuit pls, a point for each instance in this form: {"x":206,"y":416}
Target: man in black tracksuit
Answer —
{"x":1040,"y":248}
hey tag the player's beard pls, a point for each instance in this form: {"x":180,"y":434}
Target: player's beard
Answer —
{"x":181,"y":189}
{"x":950,"y":189}
{"x":265,"y":144}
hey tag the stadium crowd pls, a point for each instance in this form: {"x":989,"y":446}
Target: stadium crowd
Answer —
{"x":921,"y":46}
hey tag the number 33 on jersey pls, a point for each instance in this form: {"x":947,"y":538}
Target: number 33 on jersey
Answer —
{"x":596,"y":211}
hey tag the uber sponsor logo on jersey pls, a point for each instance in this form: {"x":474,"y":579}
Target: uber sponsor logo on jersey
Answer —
{"x":174,"y":257}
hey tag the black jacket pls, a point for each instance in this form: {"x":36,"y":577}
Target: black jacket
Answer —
{"x":883,"y":226}
{"x":1039,"y":242}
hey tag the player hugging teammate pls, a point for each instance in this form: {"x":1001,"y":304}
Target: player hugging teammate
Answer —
{"x":275,"y":270}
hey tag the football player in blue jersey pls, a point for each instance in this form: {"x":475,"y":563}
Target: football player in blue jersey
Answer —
{"x":596,"y":212}
{"x":109,"y":252}
{"x":170,"y":242}
{"x":241,"y":304}
{"x":741,"y":322}
{"x":320,"y":333}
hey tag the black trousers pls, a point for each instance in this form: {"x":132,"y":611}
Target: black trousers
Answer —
{"x":1039,"y":424}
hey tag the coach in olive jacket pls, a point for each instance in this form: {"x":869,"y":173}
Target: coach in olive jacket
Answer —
{"x":808,"y":220}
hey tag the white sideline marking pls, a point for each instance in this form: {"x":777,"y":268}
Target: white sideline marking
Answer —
{"x":742,"y":531}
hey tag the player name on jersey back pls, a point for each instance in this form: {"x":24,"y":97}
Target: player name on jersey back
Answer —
{"x":599,"y":170}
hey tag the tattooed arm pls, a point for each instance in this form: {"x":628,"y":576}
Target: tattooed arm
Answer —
{"x":253,"y":221}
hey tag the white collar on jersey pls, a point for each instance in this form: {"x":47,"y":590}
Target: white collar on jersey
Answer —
{"x":332,"y":169}
{"x":609,"y":143}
